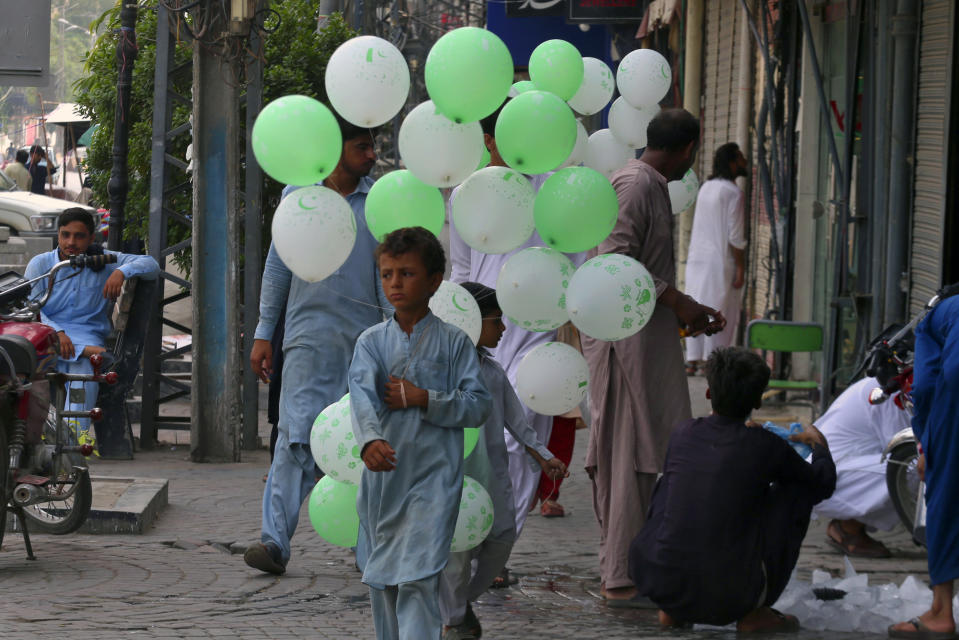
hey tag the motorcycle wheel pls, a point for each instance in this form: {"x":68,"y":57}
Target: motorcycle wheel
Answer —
{"x":902,"y":481}
{"x":57,"y":515}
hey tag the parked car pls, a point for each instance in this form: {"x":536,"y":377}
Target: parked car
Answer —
{"x":31,"y":215}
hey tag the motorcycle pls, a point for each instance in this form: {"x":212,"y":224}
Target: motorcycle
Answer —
{"x":889,"y":359}
{"x":44,"y":480}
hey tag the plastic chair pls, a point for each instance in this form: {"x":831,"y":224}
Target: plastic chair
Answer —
{"x":789,"y":337}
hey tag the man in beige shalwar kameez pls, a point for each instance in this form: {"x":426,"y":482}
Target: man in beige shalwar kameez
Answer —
{"x":638,"y":390}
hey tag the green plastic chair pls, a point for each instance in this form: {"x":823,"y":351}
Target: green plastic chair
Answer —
{"x":789,"y":337}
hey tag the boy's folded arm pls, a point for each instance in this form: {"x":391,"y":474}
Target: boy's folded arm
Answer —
{"x":819,"y":475}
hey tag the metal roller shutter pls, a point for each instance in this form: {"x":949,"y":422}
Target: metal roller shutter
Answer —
{"x":932,"y":133}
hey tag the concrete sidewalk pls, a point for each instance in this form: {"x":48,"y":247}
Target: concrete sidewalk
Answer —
{"x":184,"y":576}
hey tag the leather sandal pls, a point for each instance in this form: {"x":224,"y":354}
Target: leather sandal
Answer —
{"x":855,"y":544}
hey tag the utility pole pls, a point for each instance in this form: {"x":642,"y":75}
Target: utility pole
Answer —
{"x":217,"y":403}
{"x":119,"y":184}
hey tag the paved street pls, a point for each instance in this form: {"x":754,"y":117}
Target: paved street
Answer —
{"x":180,"y":579}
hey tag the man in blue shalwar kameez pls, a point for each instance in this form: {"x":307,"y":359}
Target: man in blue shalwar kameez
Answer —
{"x":414,"y":386}
{"x":80,"y":304}
{"x":935,"y":393}
{"x":323,"y":321}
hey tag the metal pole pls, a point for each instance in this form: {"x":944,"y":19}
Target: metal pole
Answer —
{"x":252,"y":251}
{"x":119,"y":185}
{"x":903,"y":29}
{"x":216,"y":397}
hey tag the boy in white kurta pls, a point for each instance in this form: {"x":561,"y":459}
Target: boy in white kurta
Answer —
{"x":414,"y":386}
{"x":470,"y":573}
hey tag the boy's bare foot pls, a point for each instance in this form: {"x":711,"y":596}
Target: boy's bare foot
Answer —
{"x":619,"y":593}
{"x":767,"y":620}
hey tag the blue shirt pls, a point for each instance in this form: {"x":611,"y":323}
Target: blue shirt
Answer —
{"x":407,"y":515}
{"x":77,"y":306}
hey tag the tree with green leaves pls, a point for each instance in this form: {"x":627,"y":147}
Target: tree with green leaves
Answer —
{"x":295,"y":57}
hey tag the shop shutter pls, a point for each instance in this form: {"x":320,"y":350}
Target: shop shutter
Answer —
{"x":932,"y":134}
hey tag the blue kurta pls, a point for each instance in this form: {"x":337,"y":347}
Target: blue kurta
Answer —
{"x":77,"y":306}
{"x":323,"y":321}
{"x":936,"y":423}
{"x":407,"y":515}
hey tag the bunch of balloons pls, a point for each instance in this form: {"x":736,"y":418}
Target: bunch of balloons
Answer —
{"x":469,"y":77}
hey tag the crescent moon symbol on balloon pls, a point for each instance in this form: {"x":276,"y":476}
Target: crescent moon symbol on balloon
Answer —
{"x":303,"y":206}
{"x":455,"y":304}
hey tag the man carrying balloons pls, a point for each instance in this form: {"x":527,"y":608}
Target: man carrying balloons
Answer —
{"x":415,"y":384}
{"x":638,"y":388}
{"x":479,"y":252}
{"x":329,"y":302}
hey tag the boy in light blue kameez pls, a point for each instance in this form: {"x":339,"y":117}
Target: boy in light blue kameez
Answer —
{"x":470,"y":573}
{"x":414,"y":386}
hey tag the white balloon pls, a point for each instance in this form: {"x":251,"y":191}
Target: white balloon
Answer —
{"x":682,"y":193}
{"x":493,"y":210}
{"x":552,"y":378}
{"x":436,"y":150}
{"x":644,"y":77}
{"x":628,"y":123}
{"x":611,"y":297}
{"x":454,"y":305}
{"x":578,"y":155}
{"x":475,"y":517}
{"x":531,"y":288}
{"x":596,"y":90}
{"x":606,"y":154}
{"x":313,"y":232}
{"x":367,"y":80}
{"x":333,"y":445}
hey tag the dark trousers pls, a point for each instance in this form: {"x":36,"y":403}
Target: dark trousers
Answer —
{"x":786,"y":522}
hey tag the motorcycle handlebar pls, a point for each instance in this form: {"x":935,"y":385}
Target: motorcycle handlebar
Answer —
{"x":92,"y":262}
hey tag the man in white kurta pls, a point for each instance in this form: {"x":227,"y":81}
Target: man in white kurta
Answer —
{"x":407,"y":516}
{"x":475,"y":266}
{"x":858,"y":433}
{"x":715,"y":267}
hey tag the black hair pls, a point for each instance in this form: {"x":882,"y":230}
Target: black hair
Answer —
{"x":415,"y":240}
{"x":725,"y":155}
{"x":38,"y":149}
{"x":737,"y":378}
{"x":672,"y":130}
{"x":76,"y":214}
{"x":488,"y":124}
{"x":485,"y":297}
{"x":348,"y":130}
{"x":22,"y":156}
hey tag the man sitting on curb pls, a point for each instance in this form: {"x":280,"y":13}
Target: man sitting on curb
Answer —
{"x":730,"y":512}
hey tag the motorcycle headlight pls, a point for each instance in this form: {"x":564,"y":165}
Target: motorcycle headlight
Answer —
{"x":44,"y":222}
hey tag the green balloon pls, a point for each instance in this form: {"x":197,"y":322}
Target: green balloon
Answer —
{"x":470,"y":438}
{"x":468,"y":74}
{"x":535,"y":132}
{"x":485,"y":159}
{"x":333,"y":512}
{"x":556,"y":66}
{"x":400,"y":199}
{"x":575,"y":209}
{"x":296,"y":140}
{"x":521,"y":87}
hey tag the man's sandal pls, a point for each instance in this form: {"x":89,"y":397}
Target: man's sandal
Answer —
{"x":922,"y":632}
{"x":854,"y":544}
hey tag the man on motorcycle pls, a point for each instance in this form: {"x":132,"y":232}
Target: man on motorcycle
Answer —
{"x":858,"y":432}
{"x":79,"y":307}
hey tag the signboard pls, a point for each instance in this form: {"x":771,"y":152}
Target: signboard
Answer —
{"x":533,"y":8}
{"x":25,"y":34}
{"x":607,"y":10}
